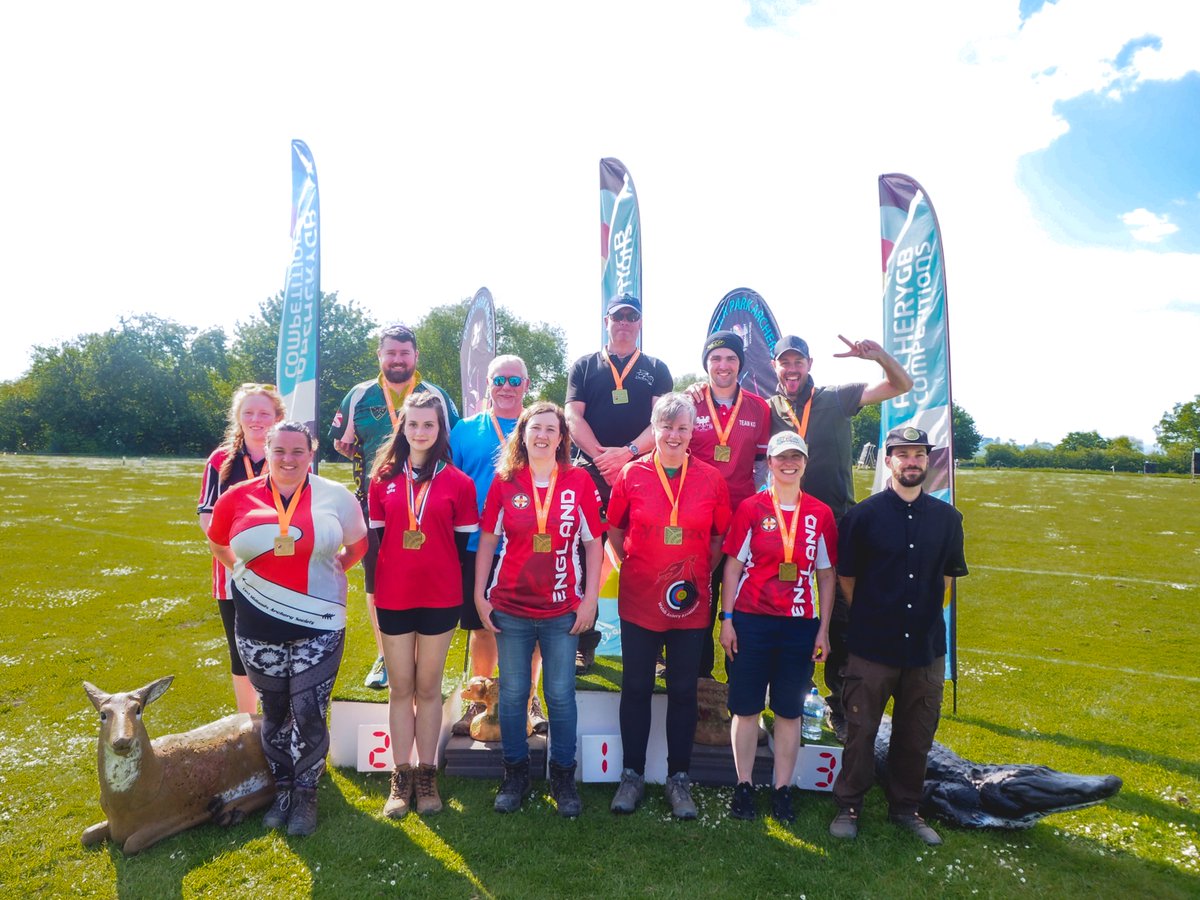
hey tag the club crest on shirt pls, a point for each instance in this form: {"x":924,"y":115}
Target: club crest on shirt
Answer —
{"x":378,"y":413}
{"x":681,"y":596}
{"x":769,"y":523}
{"x":520,"y":501}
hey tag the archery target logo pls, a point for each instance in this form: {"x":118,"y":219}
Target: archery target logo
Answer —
{"x":769,"y":523}
{"x":520,"y":501}
{"x":681,"y":596}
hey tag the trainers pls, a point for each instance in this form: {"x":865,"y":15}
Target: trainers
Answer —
{"x":303,"y":820}
{"x":537,"y":718}
{"x":917,"y":826}
{"x":781,"y":805}
{"x":429,"y":801}
{"x":660,"y":668}
{"x":845,"y":824}
{"x":564,"y":791}
{"x":514,"y":787}
{"x":463,"y":725}
{"x":742,"y":804}
{"x":377,"y":677}
{"x":281,"y":809}
{"x":629,"y":792}
{"x":584,"y":660}
{"x":399,"y":799}
{"x":679,"y":795}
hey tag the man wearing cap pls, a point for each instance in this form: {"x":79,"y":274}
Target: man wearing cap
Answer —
{"x":897,"y":553}
{"x":609,"y":398}
{"x":821,"y":415}
{"x":367,"y":418}
{"x":731,"y":433}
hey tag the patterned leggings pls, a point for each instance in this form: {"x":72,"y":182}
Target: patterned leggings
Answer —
{"x":294,"y":680}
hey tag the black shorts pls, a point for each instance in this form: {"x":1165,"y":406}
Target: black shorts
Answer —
{"x":228,"y":617}
{"x":425,"y":620}
{"x":773,"y":652}
{"x":469,"y":615}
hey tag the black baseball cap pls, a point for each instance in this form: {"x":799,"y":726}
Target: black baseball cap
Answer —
{"x":790,"y":342}
{"x":906,"y":436}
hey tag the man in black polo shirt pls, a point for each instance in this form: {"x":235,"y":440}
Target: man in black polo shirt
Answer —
{"x":609,"y":398}
{"x":821,"y":415}
{"x":897,"y":553}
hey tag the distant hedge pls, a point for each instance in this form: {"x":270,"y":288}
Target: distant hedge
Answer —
{"x":1177,"y":460}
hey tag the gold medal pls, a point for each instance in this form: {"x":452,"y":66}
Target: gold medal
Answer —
{"x":413,"y":540}
{"x":722,"y":453}
{"x":788,"y":572}
{"x":673,"y":535}
{"x":285,"y":545}
{"x":541,"y":543}
{"x":620,"y":396}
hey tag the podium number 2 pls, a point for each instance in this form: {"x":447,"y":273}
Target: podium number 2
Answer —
{"x":372,"y":760}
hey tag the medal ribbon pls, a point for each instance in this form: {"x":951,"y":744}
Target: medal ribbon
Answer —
{"x":249,"y":467}
{"x":723,"y":435}
{"x":800,"y":425}
{"x":286,"y":513}
{"x":416,"y":506}
{"x":543,"y":511}
{"x":500,"y":436}
{"x":787,"y":535}
{"x":662,"y":477}
{"x":403,"y":395}
{"x":620,"y":379}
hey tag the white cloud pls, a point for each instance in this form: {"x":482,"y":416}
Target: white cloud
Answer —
{"x":1147,"y":227}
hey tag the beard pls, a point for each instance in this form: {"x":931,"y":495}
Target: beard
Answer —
{"x":911,"y":478}
{"x":398,"y":374}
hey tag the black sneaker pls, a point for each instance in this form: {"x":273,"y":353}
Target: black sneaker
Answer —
{"x":781,"y":805}
{"x":564,"y":791}
{"x":514,"y":788}
{"x":584,"y":660}
{"x":303,"y":820}
{"x":742,"y":804}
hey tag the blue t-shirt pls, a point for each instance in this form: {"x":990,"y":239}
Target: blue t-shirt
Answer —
{"x":476,"y":451}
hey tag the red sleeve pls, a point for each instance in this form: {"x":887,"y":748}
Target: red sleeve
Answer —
{"x":618,"y":503}
{"x":210,"y":482}
{"x":829,"y":532}
{"x":465,"y":509}
{"x":722,"y":513}
{"x":375,"y":512}
{"x":491,"y":507}
{"x":736,"y":536}
{"x":222,"y":518}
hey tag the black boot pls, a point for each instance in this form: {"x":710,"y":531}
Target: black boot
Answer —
{"x":514,"y":788}
{"x":279,"y":813}
{"x":303,"y":820}
{"x":563,"y":790}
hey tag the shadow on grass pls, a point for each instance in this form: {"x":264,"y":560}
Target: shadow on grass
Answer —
{"x":1189,"y":768}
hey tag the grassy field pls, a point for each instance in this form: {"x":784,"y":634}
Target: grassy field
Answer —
{"x":1078,"y":637}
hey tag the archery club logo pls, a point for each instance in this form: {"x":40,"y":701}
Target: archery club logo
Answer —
{"x":520,"y":501}
{"x":769,"y":523}
{"x":681,"y":596}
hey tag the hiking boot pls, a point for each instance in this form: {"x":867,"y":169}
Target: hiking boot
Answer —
{"x":377,"y":677}
{"x":917,"y":826}
{"x":564,"y":791}
{"x":277,"y":816}
{"x":781,"y":805}
{"x":742,"y":804}
{"x":679,"y":795}
{"x":514,"y":788}
{"x":463,"y":726}
{"x":399,"y":799}
{"x":845,"y":823}
{"x":629,"y":792}
{"x":537,"y":718}
{"x":428,"y":799}
{"x":584,"y":660}
{"x":837,"y":724}
{"x":303,"y":820}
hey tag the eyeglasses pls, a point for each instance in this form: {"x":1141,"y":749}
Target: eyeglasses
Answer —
{"x":625,"y":316}
{"x":513,"y":380}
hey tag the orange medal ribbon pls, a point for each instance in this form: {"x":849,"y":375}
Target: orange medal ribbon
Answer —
{"x":403,"y":395}
{"x":800,"y":425}
{"x":416,"y":505}
{"x":249,"y":467}
{"x":541,"y":540}
{"x":673,"y":497}
{"x":619,"y":380}
{"x":500,"y":436}
{"x":723,"y":435}
{"x":787,"y":568}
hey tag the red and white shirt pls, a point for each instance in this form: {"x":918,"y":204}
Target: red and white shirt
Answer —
{"x":429,"y":576}
{"x":747,"y":441}
{"x":286,"y":597}
{"x":541,"y":585}
{"x":211,"y":488}
{"x":755,"y":539}
{"x":664,"y":586}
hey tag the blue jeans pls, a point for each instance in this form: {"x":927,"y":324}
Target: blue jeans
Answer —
{"x":515,"y":643}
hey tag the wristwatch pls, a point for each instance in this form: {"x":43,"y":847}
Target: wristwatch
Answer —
{"x":633,"y":448}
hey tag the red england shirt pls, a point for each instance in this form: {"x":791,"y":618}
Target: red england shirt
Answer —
{"x":541,"y":585}
{"x":754,"y":538}
{"x":429,"y":576}
{"x":747,"y":440}
{"x":664,"y":586}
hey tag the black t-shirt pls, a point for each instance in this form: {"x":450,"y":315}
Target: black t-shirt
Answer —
{"x":591,"y":382}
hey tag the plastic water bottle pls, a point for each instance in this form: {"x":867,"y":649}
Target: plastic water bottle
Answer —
{"x":814,"y":716}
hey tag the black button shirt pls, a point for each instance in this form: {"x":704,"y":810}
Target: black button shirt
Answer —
{"x":898,"y":553}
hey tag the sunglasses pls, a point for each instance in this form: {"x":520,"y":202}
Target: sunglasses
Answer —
{"x":513,"y":380}
{"x":625,"y":316}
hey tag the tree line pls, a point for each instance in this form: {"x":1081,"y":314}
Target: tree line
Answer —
{"x":151,"y":386}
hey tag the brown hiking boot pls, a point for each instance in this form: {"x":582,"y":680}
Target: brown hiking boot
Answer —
{"x":400,"y":797}
{"x":428,"y":799}
{"x":463,"y":725}
{"x":537,"y":718}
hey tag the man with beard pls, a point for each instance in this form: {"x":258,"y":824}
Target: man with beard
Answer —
{"x":367,"y":418}
{"x":821,"y":415}
{"x":897,"y":553}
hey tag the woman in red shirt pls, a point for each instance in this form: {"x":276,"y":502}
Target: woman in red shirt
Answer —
{"x":421,"y":505}
{"x":544,"y":508}
{"x":781,"y":541}
{"x":667,"y":516}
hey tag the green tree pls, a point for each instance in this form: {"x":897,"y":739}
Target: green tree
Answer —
{"x":966,"y":435}
{"x":682,"y":382}
{"x":864,"y":428}
{"x":1082,"y":440}
{"x":1180,"y":428}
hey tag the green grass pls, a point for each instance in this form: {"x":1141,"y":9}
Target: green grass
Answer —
{"x":1089,"y":668}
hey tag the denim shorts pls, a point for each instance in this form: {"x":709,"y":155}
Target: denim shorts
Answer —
{"x":775,"y":652}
